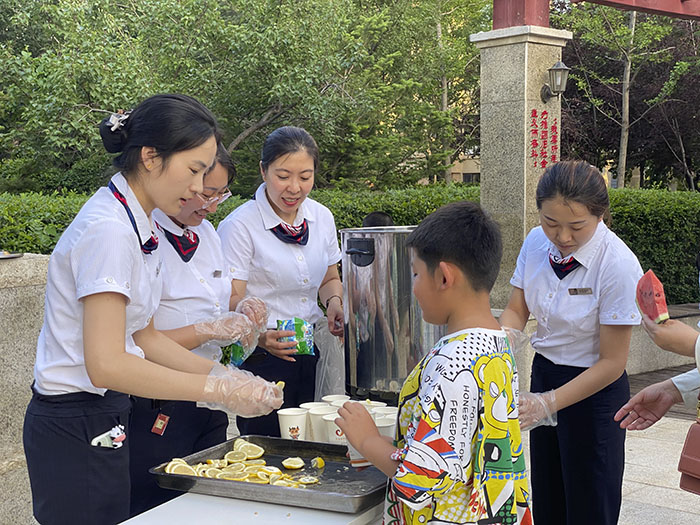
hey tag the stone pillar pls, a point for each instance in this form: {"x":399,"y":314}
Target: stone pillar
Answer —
{"x":519,"y":132}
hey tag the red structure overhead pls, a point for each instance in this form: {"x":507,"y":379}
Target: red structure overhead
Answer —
{"x":673,"y":8}
{"x":509,"y":13}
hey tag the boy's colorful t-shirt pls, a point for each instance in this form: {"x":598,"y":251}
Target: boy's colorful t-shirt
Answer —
{"x":461,"y":457}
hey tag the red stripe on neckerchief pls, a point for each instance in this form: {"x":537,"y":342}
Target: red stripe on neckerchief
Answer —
{"x":563,"y":266}
{"x":185,"y":245}
{"x":152,"y":243}
{"x":292,"y":234}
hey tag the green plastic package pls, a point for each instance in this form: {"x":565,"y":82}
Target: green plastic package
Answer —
{"x":304,"y":334}
{"x":234,"y":354}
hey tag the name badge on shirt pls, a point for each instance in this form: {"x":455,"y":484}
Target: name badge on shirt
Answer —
{"x":580,"y":291}
{"x":217,"y":273}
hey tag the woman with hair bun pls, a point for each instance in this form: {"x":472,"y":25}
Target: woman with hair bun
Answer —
{"x":283,"y":247}
{"x":98,"y":344}
{"x":578,"y":280}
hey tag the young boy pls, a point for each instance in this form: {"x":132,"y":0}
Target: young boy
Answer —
{"x":457,"y":457}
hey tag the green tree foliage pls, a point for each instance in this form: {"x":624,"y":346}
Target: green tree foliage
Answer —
{"x":366,"y":77}
{"x":663,"y":113}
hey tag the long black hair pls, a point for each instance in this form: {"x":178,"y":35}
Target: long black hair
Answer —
{"x":169,"y":123}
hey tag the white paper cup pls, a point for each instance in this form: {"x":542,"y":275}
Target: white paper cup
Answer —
{"x":335,"y":435}
{"x":309,"y":428}
{"x":356,"y":459}
{"x":372,"y":404}
{"x":292,"y":423}
{"x":386,"y":426}
{"x":385,"y":411}
{"x":314,"y":404}
{"x":318,"y":425}
{"x":339,"y":403}
{"x":365,"y":406}
{"x":335,"y":397}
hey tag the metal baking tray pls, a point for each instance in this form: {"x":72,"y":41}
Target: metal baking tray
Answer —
{"x":341,"y":487}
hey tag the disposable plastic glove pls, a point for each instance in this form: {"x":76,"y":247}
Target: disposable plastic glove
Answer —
{"x":241,"y":393}
{"x":517,"y":339}
{"x":229,"y":328}
{"x":255,"y":310}
{"x":536,"y":409}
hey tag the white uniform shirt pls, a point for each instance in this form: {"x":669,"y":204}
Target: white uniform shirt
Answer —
{"x":688,"y":383}
{"x":286,"y":276}
{"x":98,"y":252}
{"x":196,"y":290}
{"x":569,"y":311}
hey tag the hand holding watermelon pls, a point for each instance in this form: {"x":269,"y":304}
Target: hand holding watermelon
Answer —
{"x":651,"y":300}
{"x":674,"y":336}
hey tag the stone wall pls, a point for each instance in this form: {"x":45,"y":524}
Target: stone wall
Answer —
{"x":22,"y":283}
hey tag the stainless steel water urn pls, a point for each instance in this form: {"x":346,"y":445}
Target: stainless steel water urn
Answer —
{"x":385,"y":335}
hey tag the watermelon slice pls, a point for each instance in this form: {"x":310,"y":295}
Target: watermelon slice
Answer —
{"x":651,"y":300}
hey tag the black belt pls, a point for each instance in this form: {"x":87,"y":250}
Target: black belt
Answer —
{"x":152,"y":404}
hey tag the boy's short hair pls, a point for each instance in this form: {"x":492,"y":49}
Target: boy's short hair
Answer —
{"x":463,"y":234}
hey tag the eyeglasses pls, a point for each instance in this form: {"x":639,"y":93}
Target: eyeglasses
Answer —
{"x":215,"y":199}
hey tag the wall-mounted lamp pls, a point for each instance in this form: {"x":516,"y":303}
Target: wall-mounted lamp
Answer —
{"x":558,"y":75}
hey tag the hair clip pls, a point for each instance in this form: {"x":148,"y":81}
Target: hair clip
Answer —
{"x":117,"y":120}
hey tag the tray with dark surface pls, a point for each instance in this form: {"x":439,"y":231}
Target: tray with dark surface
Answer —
{"x":341,"y":488}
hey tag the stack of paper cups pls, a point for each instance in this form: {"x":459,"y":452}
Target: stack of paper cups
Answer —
{"x":318,"y":425}
{"x":310,"y":435}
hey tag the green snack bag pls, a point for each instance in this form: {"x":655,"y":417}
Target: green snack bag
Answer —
{"x":304,"y":334}
{"x":234,"y":354}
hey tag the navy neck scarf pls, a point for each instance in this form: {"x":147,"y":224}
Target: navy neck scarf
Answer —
{"x":185,"y":245}
{"x":292,"y":234}
{"x":152,"y":243}
{"x":564,"y":266}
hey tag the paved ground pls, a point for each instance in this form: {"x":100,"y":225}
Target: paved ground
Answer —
{"x":650,"y":489}
{"x":650,"y":493}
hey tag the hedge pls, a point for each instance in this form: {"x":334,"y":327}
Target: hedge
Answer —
{"x":33,"y":222}
{"x":661,"y":227}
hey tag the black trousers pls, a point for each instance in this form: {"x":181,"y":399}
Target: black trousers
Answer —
{"x":300,"y":384}
{"x":577,"y":466}
{"x":73,"y":481}
{"x":189,"y":429}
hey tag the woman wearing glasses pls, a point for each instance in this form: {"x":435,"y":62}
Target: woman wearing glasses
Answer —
{"x":194,"y":312}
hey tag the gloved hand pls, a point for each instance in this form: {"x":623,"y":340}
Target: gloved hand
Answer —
{"x":240,"y":392}
{"x":255,"y":310}
{"x":227,"y":329}
{"x":535,"y":409}
{"x":517,"y":339}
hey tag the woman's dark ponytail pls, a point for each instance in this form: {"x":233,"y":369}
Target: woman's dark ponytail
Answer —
{"x":113,"y":132}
